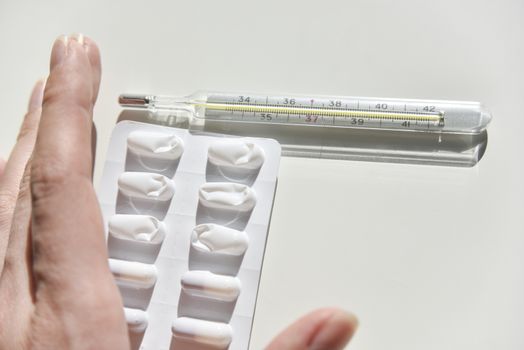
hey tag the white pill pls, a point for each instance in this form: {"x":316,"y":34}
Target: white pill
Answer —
{"x":133,"y":274}
{"x":210,"y":285}
{"x":236,"y":153}
{"x":155,"y":144}
{"x":136,"y":320}
{"x":216,"y":334}
{"x":227,"y":195}
{"x":146,"y":186}
{"x":142,"y":228}
{"x":219,"y":239}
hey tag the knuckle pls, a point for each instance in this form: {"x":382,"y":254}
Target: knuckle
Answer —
{"x":54,"y":184}
{"x":65,"y":88}
{"x":99,"y":291}
{"x":46,"y":177}
{"x":53,"y":92}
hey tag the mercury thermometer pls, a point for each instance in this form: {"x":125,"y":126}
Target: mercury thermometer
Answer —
{"x":318,"y":116}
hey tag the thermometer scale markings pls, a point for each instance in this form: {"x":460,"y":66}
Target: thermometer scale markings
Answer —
{"x":469,"y":118}
{"x":323,"y":111}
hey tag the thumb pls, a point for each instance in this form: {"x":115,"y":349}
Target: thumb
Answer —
{"x":323,"y":329}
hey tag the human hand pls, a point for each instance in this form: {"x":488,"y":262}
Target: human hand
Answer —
{"x":56,"y":290}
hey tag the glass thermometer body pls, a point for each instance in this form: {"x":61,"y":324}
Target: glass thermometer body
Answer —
{"x":339,"y":112}
{"x":426,"y":132}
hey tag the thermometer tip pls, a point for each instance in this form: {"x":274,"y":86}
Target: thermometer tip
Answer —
{"x":136,"y":101}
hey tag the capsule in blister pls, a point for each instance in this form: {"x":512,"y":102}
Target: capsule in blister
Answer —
{"x":133,"y":274}
{"x":215,"y":334}
{"x":136,"y":320}
{"x":210,"y":285}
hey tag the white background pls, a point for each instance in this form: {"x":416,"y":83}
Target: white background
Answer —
{"x":428,"y":257}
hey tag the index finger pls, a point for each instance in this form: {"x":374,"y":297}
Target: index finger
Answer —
{"x":67,"y":230}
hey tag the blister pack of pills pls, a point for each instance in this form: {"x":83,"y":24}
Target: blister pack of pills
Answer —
{"x":187,"y":218}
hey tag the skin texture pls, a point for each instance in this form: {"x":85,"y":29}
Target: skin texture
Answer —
{"x":56,"y":290}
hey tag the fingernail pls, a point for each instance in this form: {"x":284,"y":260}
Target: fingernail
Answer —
{"x":63,"y":45}
{"x":35,"y":101}
{"x":336,"y":332}
{"x":59,"y":52}
{"x":78,"y":37}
